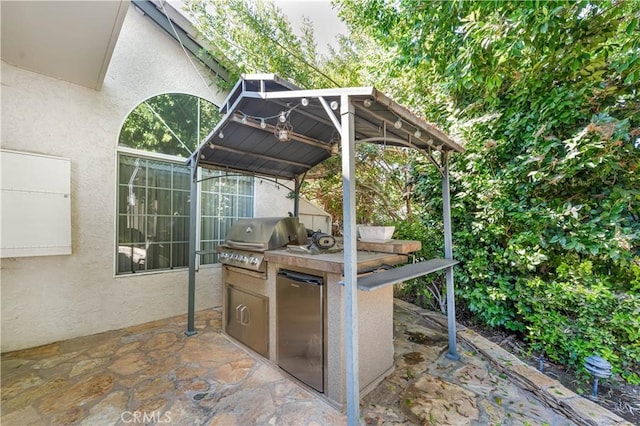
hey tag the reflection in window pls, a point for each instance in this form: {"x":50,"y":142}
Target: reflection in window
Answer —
{"x":224,"y":199}
{"x":153,"y":215}
{"x":171,"y":124}
{"x":154,"y":194}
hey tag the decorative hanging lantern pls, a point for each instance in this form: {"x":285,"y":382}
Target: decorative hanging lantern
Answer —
{"x":283,"y":128}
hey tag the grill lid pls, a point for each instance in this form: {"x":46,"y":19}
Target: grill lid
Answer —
{"x":266,"y":233}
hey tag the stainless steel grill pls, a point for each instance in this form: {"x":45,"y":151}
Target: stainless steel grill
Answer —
{"x":249,"y":238}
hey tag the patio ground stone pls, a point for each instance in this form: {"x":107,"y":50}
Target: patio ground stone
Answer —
{"x":154,"y":374}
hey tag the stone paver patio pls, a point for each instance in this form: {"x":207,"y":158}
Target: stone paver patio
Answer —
{"x":154,"y":374}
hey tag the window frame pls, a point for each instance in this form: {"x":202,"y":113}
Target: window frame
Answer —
{"x":137,"y":145}
{"x":148,"y":155}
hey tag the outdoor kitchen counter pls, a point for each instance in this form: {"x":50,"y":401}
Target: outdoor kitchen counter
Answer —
{"x":333,"y":262}
{"x":375,"y":316}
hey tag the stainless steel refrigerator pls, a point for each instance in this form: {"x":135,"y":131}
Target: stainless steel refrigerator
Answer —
{"x":300,"y":326}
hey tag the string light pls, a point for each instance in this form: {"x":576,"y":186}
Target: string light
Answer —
{"x":398,"y":124}
{"x":367,"y":103}
{"x":283,"y":128}
{"x":282,"y":116}
{"x":221,"y":135}
{"x":334,"y":105}
{"x":418,"y":133}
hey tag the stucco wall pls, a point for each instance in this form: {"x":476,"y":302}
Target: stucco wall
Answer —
{"x":45,"y":299}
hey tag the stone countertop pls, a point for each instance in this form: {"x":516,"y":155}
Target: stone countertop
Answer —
{"x":332,"y":262}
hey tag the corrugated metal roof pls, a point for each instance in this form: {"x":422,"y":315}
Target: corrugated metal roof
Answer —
{"x":262,"y":106}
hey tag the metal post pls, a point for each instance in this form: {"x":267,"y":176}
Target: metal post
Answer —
{"x":296,"y":197}
{"x":448,"y":254}
{"x":350,"y":259}
{"x":193,"y":219}
{"x":594,"y":389}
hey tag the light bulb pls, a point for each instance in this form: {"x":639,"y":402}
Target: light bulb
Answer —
{"x":367,"y":103}
{"x":221,"y":135}
{"x":211,"y":145}
{"x":304,"y":102}
{"x":244,"y":119}
{"x":282,"y":117}
{"x":334,"y":105}
{"x":262,"y":123}
{"x":398,"y":124}
{"x":418,"y":133}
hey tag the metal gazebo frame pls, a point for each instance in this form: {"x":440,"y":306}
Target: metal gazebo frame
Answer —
{"x":272,"y":128}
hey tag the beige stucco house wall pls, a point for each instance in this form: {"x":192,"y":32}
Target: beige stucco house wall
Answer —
{"x":271,"y":199}
{"x":49,"y":298}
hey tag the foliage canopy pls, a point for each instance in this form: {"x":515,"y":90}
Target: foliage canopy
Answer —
{"x":544,"y":95}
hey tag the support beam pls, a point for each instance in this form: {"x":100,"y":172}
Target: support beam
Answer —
{"x":350,"y":261}
{"x":253,"y":154}
{"x":296,"y":197}
{"x":448,"y":254}
{"x":193,"y":218}
{"x":330,"y":114}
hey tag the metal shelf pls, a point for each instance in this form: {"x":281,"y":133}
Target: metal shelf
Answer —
{"x":400,"y":274}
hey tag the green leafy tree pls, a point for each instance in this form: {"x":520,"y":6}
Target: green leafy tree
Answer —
{"x":255,"y":37}
{"x":171,"y":123}
{"x":545,"y":95}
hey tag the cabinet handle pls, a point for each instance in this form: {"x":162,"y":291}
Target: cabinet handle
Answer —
{"x":239,"y":313}
{"x":242,"y":315}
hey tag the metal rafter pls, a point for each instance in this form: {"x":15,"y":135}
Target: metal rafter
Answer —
{"x":254,"y":154}
{"x":252,"y":122}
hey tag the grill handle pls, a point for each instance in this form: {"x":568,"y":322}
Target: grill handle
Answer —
{"x":245,"y":245}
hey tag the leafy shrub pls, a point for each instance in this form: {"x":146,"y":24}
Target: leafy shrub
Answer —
{"x":577,"y":315}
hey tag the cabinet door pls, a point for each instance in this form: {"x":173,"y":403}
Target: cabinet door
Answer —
{"x":255,"y":321}
{"x":248,"y":319}
{"x":235,"y":299}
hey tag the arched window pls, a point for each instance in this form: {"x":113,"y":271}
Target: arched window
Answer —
{"x":153,"y":186}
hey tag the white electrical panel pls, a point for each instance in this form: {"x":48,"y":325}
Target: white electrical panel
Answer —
{"x":35,"y":205}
